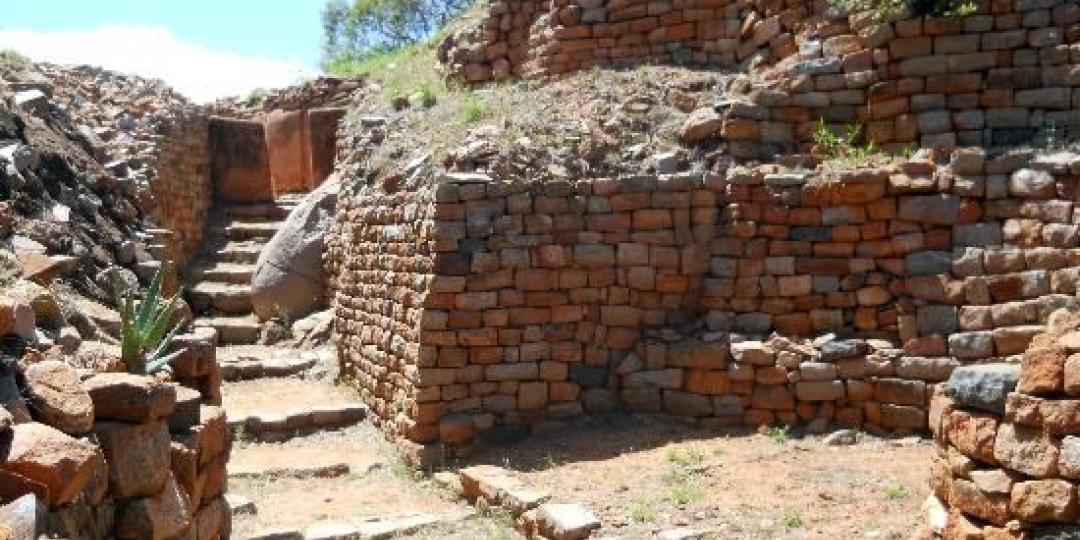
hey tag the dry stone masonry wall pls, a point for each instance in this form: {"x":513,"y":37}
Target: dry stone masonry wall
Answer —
{"x":529,"y":37}
{"x":514,"y":303}
{"x":115,"y":455}
{"x":1004,"y":76}
{"x":380,"y":255}
{"x":182,"y":190}
{"x":1007,"y":444}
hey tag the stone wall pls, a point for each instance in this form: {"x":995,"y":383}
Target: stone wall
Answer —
{"x":182,"y":190}
{"x":112,"y":455}
{"x":1006,"y":75}
{"x":515,"y":303}
{"x":382,"y":266}
{"x":1008,"y":451}
{"x":541,"y":37}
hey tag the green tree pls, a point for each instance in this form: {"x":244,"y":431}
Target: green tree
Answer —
{"x":354,"y":29}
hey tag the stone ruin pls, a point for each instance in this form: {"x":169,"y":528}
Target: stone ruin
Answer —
{"x":114,"y":454}
{"x":1007,"y":446}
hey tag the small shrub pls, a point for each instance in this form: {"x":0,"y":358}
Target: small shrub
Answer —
{"x":147,"y":330}
{"x":892,"y":9}
{"x":896,"y":492}
{"x":473,"y":110}
{"x":427,"y":96}
{"x":843,"y":146}
{"x":779,"y":434}
{"x":642,"y":512}
{"x":256,"y":98}
{"x":11,"y":56}
{"x":9,"y":269}
{"x":792,"y":519}
{"x":687,"y":458}
{"x":684,"y":494}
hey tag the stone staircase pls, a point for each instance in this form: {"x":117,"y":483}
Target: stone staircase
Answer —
{"x":308,"y":467}
{"x":220,"y":277}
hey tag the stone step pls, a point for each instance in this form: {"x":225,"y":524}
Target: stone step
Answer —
{"x":239,"y":252}
{"x":279,"y":425}
{"x":247,"y":230}
{"x":158,"y":251}
{"x":146,"y":270}
{"x":253,"y":212}
{"x":223,"y":272}
{"x":159,"y":235}
{"x":246,"y":369}
{"x":225,"y":298}
{"x":232,"y":330}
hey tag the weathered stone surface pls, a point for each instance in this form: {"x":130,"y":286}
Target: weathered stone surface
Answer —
{"x":288,"y":277}
{"x":499,"y":486}
{"x":57,"y":398}
{"x":565,"y":521}
{"x":1026,"y":449}
{"x":23,"y":518}
{"x":43,"y":454}
{"x":159,"y":517}
{"x":130,"y":398}
{"x":966,"y":497}
{"x":983,"y":387}
{"x":973,"y":434}
{"x":1042,"y":501}
{"x":138,"y":456}
{"x":1069,"y":457}
{"x":700,"y":125}
{"x":841,"y":349}
{"x":1032,"y":183}
{"x":1042,"y":371}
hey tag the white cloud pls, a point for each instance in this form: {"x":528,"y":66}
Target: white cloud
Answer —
{"x":199,"y":72}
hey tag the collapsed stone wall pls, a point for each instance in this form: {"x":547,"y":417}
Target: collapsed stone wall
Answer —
{"x":182,"y":192}
{"x":1008,"y":451}
{"x":542,"y":37}
{"x":512,"y":303}
{"x":113,"y":455}
{"x":995,"y":78}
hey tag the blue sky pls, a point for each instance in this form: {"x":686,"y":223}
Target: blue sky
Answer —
{"x":206,"y":48}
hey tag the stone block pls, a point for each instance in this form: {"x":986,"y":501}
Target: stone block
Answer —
{"x":1026,"y":449}
{"x":983,"y":387}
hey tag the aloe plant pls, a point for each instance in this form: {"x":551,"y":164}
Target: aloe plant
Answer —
{"x":145,"y":329}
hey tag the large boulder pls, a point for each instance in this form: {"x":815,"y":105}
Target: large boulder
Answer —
{"x":289,"y":278}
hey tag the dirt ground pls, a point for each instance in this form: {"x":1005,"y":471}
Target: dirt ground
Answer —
{"x":641,"y":475}
{"x":281,"y":395}
{"x":377,"y":485}
{"x":645,"y":475}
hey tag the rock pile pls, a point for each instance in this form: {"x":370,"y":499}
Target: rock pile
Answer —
{"x":1009,"y":442}
{"x":79,"y":163}
{"x":110,"y":455}
{"x":317,"y":93}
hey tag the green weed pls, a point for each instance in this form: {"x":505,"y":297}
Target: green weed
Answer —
{"x":473,"y":110}
{"x":779,"y":435}
{"x":896,"y":492}
{"x":642,"y":512}
{"x":792,"y":519}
